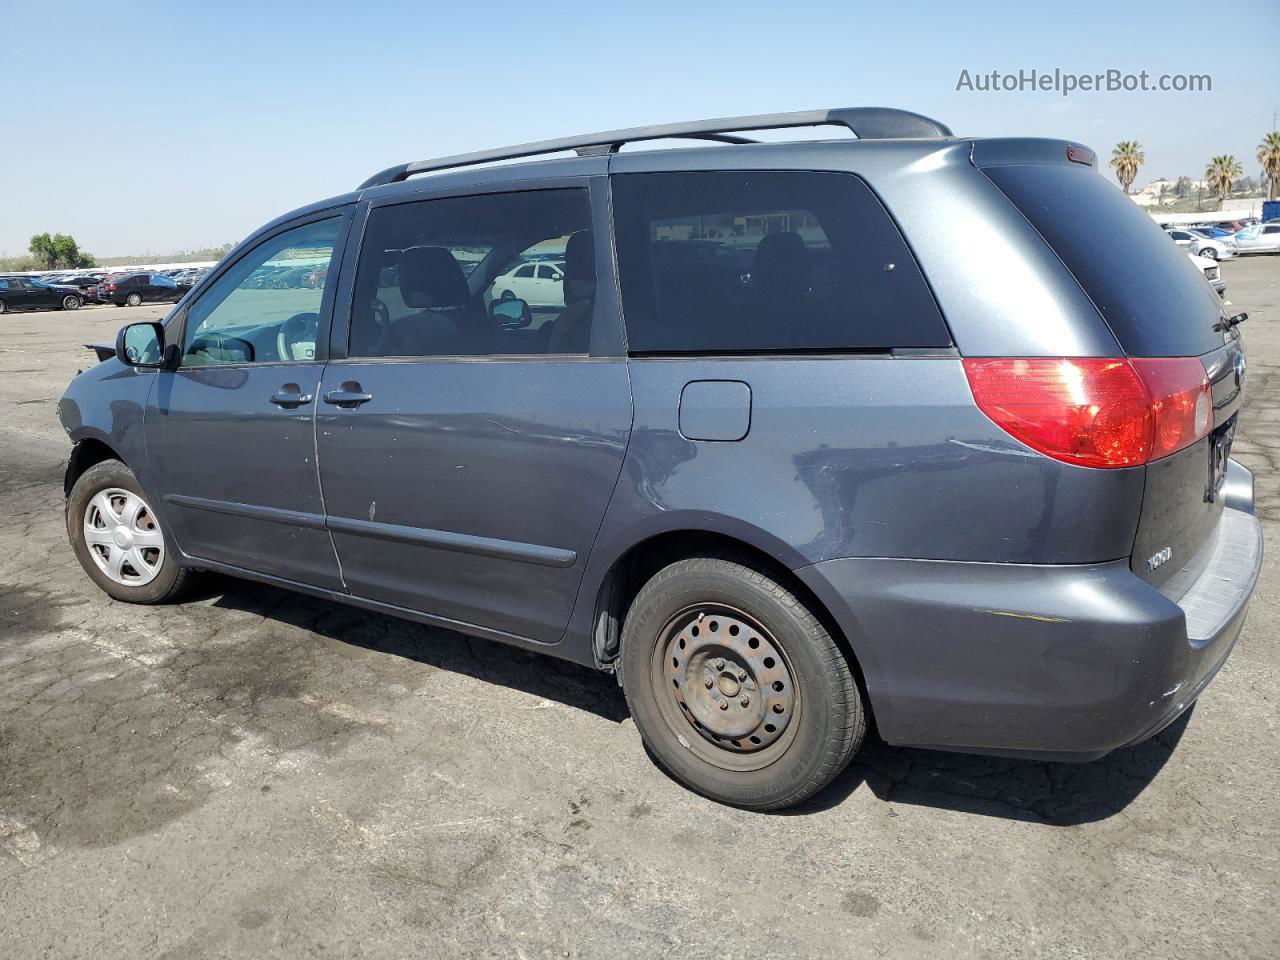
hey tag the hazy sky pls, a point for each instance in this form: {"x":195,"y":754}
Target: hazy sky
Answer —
{"x":151,"y":127}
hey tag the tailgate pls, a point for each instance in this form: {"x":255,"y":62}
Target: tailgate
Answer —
{"x":1182,"y":502}
{"x":1157,"y":304}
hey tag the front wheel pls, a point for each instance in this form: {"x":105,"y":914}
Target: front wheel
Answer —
{"x":1209,"y":252}
{"x":736,"y":687}
{"x":134,"y":300}
{"x":70,"y":303}
{"x":507,"y":295}
{"x":4,"y":307}
{"x":117,"y":538}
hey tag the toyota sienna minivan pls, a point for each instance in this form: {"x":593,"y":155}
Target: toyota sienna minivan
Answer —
{"x":914,"y":429}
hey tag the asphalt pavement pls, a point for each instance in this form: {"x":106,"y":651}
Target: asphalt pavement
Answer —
{"x":258,"y":774}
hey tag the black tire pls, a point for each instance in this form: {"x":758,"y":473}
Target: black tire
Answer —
{"x":133,"y":300}
{"x":825,"y":723}
{"x":1209,"y":252}
{"x":170,"y":579}
{"x":507,"y":295}
{"x":4,"y":307}
{"x":70,"y":303}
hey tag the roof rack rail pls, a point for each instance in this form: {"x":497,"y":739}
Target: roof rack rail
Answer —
{"x":867,"y":123}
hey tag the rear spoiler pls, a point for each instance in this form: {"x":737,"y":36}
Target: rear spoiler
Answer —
{"x":105,"y":351}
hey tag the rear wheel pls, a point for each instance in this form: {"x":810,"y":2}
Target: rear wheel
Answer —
{"x":736,"y":687}
{"x":70,"y":303}
{"x":134,"y":299}
{"x":117,"y":537}
{"x":4,"y":307}
{"x":507,"y":295}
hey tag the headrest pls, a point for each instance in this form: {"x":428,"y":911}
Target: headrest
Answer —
{"x":431,"y":278}
{"x":781,"y":264}
{"x":579,"y":267}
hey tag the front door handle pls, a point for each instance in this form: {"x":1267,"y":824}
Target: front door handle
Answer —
{"x":290,"y":396}
{"x":349,"y":396}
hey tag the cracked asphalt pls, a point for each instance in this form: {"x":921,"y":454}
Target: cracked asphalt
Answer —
{"x":253,"y":773}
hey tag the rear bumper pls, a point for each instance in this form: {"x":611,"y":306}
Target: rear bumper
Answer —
{"x":1064,"y":662}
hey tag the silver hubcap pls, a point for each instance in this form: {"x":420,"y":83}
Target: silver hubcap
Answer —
{"x":123,"y":537}
{"x":134,"y":299}
{"x":71,"y":303}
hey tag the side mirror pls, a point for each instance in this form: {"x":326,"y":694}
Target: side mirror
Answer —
{"x":511,"y":314}
{"x":141,"y":344}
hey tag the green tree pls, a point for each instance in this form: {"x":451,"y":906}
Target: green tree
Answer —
{"x":42,"y":249}
{"x":59,"y":250}
{"x":1269,"y":157}
{"x":1220,"y":174}
{"x":1126,"y":158}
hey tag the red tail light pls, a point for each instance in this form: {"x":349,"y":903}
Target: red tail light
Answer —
{"x":111,"y":288}
{"x":1093,"y":411}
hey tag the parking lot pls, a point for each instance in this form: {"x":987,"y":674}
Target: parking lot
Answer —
{"x":259,"y":773}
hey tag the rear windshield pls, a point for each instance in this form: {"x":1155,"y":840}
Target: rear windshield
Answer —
{"x":1153,"y":297}
{"x":743,"y":262}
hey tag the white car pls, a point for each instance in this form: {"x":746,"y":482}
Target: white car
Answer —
{"x":539,"y":283}
{"x":1212,"y":272}
{"x":1259,"y":238}
{"x":1201,"y":245}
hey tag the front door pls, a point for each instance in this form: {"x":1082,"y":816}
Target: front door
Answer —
{"x":230,"y":433}
{"x":26,"y":294}
{"x":466,"y":467}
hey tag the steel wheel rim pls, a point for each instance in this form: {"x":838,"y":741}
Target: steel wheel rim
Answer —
{"x":707,"y":660}
{"x":123,"y":537}
{"x":70,"y":303}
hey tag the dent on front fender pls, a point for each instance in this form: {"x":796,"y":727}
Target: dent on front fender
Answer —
{"x":107,"y":403}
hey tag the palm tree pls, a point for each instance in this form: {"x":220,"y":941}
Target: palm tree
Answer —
{"x":1126,"y":158}
{"x":1220,"y":174}
{"x":1269,"y":157}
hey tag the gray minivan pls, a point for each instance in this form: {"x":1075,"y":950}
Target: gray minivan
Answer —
{"x":914,"y":428}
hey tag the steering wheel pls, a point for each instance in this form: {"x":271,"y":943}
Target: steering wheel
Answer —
{"x":296,"y":338}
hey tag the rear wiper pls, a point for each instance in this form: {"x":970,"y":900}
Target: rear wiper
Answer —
{"x":1222,"y":326}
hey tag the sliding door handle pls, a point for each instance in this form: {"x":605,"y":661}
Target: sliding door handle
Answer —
{"x":290,"y":396}
{"x":350,"y":395}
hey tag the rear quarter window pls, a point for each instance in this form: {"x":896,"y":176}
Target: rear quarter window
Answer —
{"x":776,"y":262}
{"x":1151,"y":295}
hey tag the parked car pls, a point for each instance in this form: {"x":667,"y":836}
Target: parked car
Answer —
{"x":540,"y":284}
{"x":289,"y":278}
{"x":86,"y":285}
{"x":1212,"y":273}
{"x":135,"y":289}
{"x":1259,"y":238}
{"x":315,"y":278}
{"x":1202,"y":246}
{"x":29,"y":293}
{"x":994,"y":517}
{"x":190,"y":276}
{"x":1210,"y":232}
